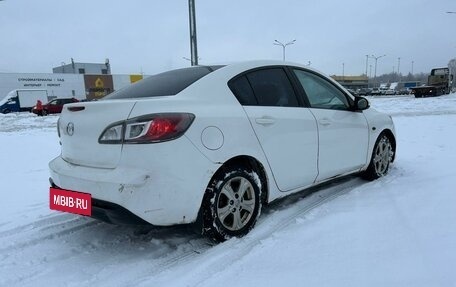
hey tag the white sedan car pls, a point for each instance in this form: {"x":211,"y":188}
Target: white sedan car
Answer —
{"x":212,"y":144}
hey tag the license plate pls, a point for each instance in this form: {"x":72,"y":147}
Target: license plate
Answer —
{"x":70,"y":201}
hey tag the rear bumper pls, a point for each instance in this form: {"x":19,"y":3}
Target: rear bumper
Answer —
{"x":110,"y":212}
{"x":166,"y":193}
{"x":114,"y":213}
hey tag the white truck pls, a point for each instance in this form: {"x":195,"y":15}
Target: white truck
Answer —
{"x":22,"y":100}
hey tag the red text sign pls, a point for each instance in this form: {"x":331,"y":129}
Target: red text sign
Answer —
{"x":70,"y":201}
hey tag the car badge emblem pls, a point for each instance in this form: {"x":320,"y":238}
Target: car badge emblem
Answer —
{"x":70,"y":129}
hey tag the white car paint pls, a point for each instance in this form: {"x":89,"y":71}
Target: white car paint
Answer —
{"x":289,"y":138}
{"x":336,"y":154}
{"x":164,"y":183}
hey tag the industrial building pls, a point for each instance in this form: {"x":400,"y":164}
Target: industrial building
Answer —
{"x":83,"y":81}
{"x":83,"y":68}
{"x":352,"y":82}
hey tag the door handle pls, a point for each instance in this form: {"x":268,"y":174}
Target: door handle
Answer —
{"x":324,"y":122}
{"x":265,"y":121}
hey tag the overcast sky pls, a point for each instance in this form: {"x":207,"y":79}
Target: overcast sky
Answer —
{"x":152,"y":36}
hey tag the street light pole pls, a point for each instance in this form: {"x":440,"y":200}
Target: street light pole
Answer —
{"x":398,"y":67}
{"x":283,"y":46}
{"x":367,"y":62}
{"x":375,"y":70}
{"x":413,"y":62}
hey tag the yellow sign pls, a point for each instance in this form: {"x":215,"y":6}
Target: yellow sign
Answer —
{"x":99,"y":86}
{"x":135,"y":78}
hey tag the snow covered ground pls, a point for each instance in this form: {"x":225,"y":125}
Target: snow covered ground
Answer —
{"x":396,"y":231}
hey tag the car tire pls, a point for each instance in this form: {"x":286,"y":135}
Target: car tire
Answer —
{"x":44,"y":113}
{"x":232,"y":203}
{"x":382,"y":156}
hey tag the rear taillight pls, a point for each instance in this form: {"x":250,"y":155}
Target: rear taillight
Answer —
{"x":147,"y":129}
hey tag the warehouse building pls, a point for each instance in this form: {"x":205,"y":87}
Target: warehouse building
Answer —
{"x":83,"y":81}
{"x":352,"y":82}
{"x":83,"y":68}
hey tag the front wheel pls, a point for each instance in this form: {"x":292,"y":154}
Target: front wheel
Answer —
{"x":381,"y":158}
{"x":232,"y":204}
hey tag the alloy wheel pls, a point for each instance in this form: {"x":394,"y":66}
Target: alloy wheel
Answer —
{"x":236,"y":203}
{"x":383,"y":155}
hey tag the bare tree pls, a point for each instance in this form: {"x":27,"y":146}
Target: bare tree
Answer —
{"x":394,"y":77}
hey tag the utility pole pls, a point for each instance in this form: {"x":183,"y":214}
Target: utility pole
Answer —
{"x":192,"y":24}
{"x":398,"y":67}
{"x":413,"y":62}
{"x":367,"y":62}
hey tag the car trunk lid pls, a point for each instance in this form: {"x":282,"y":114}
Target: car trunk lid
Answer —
{"x":80,"y":127}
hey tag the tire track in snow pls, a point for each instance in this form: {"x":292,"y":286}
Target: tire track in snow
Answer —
{"x":238,"y":248}
{"x":169,"y":254}
{"x":43,"y":233}
{"x":233,"y":250}
{"x":26,"y":239}
{"x":51,"y":219}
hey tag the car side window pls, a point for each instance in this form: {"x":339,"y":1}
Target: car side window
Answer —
{"x":321,"y":93}
{"x":243,"y":91}
{"x":272,"y":88}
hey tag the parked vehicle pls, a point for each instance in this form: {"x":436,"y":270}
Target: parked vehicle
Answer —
{"x":22,"y":100}
{"x":439,"y":83}
{"x":389,"y":92}
{"x":212,"y":145}
{"x":365,"y":92}
{"x":352,"y":92}
{"x":376,"y":92}
{"x":53,"y":107}
{"x":404,"y":91}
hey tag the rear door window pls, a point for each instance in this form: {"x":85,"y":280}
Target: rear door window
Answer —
{"x":272,"y":87}
{"x":243,"y":91}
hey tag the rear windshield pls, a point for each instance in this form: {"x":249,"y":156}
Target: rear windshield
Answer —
{"x":165,"y":84}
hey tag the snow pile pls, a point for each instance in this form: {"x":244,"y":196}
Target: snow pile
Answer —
{"x":396,"y":231}
{"x":14,"y":122}
{"x":410,"y":106}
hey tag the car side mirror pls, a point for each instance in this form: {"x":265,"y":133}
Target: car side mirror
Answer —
{"x":361,"y":103}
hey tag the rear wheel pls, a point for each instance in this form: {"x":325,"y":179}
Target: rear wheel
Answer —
{"x":231,"y":204}
{"x":381,"y":158}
